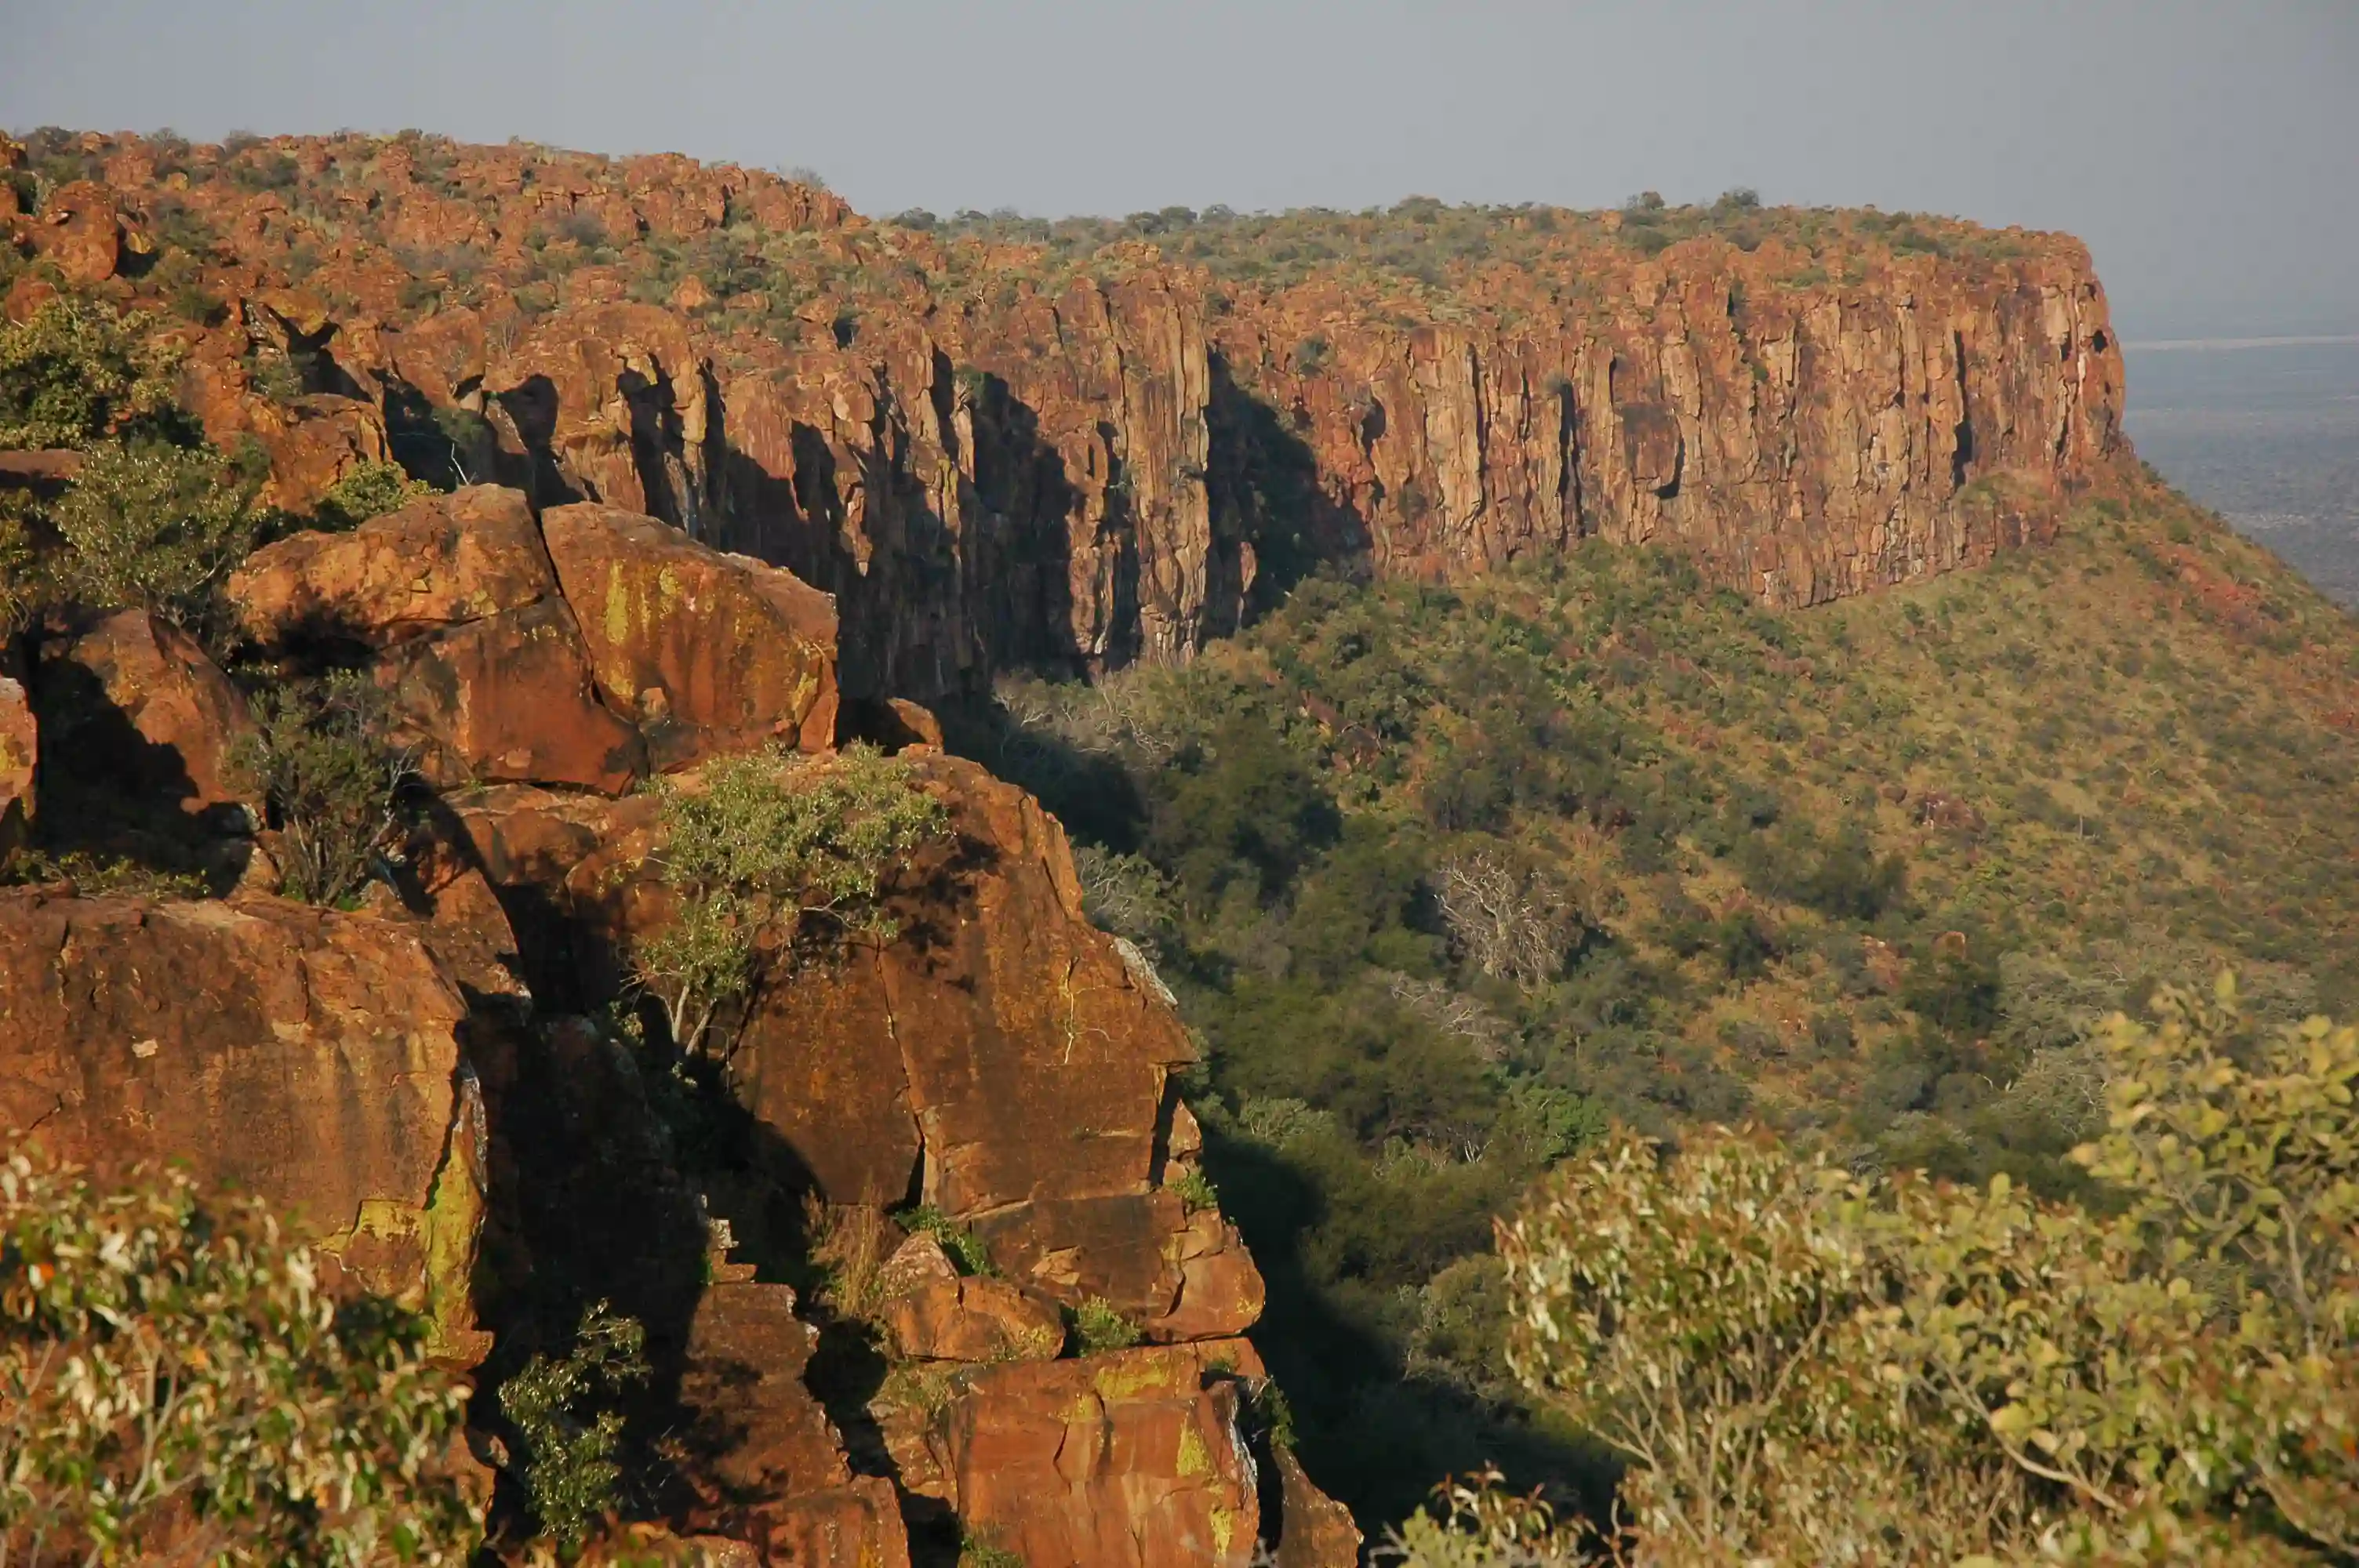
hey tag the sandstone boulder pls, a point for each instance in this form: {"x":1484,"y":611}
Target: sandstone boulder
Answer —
{"x":79,"y":233}
{"x":434,"y":564}
{"x":964,"y":1318}
{"x":1128,"y":1460}
{"x":1314,"y":1530}
{"x":508,"y":697}
{"x":477,"y":648}
{"x":311,"y":1057}
{"x":133,"y":710}
{"x":1002,"y":1034}
{"x":1178,"y":1275}
{"x":706,"y":652}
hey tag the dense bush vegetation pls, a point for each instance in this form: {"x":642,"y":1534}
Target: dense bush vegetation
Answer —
{"x":1447,"y":880}
{"x":1804,"y":1364}
{"x":174,"y":1380}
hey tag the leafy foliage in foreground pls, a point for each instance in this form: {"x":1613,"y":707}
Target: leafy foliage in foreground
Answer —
{"x":173,"y":1376}
{"x":1806,"y":1366}
{"x":1447,"y":879}
{"x":77,"y":373}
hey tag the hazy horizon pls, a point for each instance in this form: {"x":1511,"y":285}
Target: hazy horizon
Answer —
{"x":2207,"y":155}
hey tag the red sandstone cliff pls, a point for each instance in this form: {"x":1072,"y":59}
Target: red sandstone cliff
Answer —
{"x":991,"y":454}
{"x":416,"y":1084}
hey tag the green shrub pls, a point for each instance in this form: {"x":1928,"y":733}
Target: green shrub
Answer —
{"x":1806,"y":1366}
{"x":772,"y":842}
{"x":979,"y":1552}
{"x":1099,"y":1325}
{"x":372,"y":490}
{"x":176,"y":1382}
{"x":564,"y":1414}
{"x":79,"y":372}
{"x":327,"y":780}
{"x":964,"y":1247}
{"x":1195,"y":1190}
{"x":151,"y":526}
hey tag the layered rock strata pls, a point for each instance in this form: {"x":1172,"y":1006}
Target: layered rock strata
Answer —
{"x":993,"y":457}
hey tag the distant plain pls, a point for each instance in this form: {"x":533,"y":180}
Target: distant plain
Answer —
{"x":2265,"y":433}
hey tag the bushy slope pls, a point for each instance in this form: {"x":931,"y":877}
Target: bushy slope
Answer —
{"x":1865,"y":873}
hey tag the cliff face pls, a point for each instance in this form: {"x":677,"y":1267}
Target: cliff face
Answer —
{"x":992,"y":453}
{"x":423,"y":1086}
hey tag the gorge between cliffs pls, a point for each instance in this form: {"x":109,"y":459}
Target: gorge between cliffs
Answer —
{"x":1010,"y":838}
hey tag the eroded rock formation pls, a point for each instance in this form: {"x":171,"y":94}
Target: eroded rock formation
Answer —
{"x":992,"y":455}
{"x":313,"y":1058}
{"x":419,"y":1083}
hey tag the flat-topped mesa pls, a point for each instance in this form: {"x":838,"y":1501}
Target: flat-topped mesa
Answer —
{"x":1063,"y":445}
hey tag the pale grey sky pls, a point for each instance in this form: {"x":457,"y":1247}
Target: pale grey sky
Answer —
{"x":2207,"y":149}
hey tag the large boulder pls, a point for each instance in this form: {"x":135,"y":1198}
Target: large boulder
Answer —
{"x":131,"y":701}
{"x":455,"y":597}
{"x":935,"y":1313}
{"x":1003,"y":1035}
{"x":1178,"y":1275}
{"x":1132,"y":1459}
{"x":311,"y":1057}
{"x":705,"y":652}
{"x":758,"y":1434}
{"x":437,"y":563}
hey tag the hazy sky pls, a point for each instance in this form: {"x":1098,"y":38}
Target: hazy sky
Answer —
{"x":2207,"y":149}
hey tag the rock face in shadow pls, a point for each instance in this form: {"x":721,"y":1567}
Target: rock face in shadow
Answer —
{"x":131,"y":706}
{"x":309,"y":1057}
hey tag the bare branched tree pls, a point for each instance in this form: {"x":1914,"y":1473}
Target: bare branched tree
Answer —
{"x":1511,"y":925}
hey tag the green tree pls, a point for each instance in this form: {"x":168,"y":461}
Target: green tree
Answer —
{"x":372,"y":490}
{"x":150,"y":526}
{"x":172,"y":1372}
{"x":563,"y":1410}
{"x":1801,"y":1365}
{"x":78,"y":372}
{"x":328,"y":781}
{"x":760,"y":847}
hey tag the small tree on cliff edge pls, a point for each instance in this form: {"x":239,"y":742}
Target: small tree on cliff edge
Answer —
{"x":175,"y":1385}
{"x":764,"y":847}
{"x":1802,"y":1366}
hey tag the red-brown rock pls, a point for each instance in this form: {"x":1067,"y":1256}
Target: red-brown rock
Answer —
{"x":308,"y":1056}
{"x":78,"y":231}
{"x":479,"y":651}
{"x":1126,"y":1460}
{"x":950,"y":1317}
{"x":1314,"y":1530}
{"x":1003,"y":1031}
{"x":130,"y":705}
{"x":437,"y":563}
{"x":509,"y":697}
{"x":1178,"y":1275}
{"x":706,"y":652}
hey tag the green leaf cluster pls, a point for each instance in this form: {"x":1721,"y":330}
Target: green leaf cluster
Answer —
{"x":563,"y":1412}
{"x":1805,"y":1365}
{"x":174,"y":1374}
{"x":328,"y":781}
